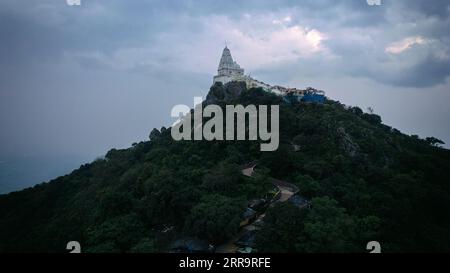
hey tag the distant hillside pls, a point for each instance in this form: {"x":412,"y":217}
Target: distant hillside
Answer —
{"x":361,"y":180}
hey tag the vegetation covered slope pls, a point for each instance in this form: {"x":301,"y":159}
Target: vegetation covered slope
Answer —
{"x":366,"y":181}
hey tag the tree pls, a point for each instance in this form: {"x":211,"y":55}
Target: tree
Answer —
{"x":117,"y":234}
{"x":327,"y":228}
{"x":223,"y":179}
{"x":259,"y":184}
{"x":434,"y":141}
{"x":356,"y":110}
{"x":154,"y":134}
{"x":215,"y":219}
{"x":113,"y":204}
{"x":372,"y":118}
{"x":282,"y":230}
{"x":308,"y":186}
{"x":145,"y":245}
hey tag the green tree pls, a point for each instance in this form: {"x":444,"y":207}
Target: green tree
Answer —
{"x":215,"y":219}
{"x":154,"y":134}
{"x":327,"y":228}
{"x":308,"y":186}
{"x":146,"y":245}
{"x":434,"y":141}
{"x":117,"y":234}
{"x":224,"y":179}
{"x":282,"y":230}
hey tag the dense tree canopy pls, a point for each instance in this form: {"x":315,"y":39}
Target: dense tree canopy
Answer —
{"x":366,"y":181}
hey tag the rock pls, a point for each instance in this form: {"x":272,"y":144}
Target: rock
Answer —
{"x":225,"y":93}
{"x":346,"y":143}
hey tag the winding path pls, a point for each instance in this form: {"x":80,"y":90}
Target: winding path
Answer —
{"x":285,"y":192}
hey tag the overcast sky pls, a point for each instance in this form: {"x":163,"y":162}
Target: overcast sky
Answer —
{"x":76,"y":81}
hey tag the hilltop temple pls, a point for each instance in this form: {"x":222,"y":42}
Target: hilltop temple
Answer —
{"x":229,"y":70}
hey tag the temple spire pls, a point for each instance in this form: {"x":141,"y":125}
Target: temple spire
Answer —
{"x":228,"y":69}
{"x":226,"y":61}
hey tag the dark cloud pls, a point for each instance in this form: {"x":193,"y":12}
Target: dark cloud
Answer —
{"x":437,"y":8}
{"x":430,"y":71}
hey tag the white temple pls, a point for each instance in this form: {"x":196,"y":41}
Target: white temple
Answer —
{"x":229,"y":71}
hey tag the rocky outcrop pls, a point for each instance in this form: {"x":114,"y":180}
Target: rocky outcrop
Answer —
{"x":347,"y":144}
{"x":225,"y":93}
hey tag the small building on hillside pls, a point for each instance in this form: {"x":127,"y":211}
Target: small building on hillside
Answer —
{"x":313,"y":95}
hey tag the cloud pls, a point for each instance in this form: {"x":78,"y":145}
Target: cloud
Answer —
{"x":189,"y":35}
{"x":255,"y":39}
{"x":258,"y":41}
{"x":405,"y":44}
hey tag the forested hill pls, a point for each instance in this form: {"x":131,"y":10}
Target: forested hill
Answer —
{"x":363,"y":181}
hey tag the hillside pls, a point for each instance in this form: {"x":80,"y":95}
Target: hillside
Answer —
{"x":363,"y":181}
